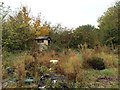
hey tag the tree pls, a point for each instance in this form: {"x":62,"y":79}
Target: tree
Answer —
{"x":3,"y":11}
{"x":20,"y":30}
{"x":84,"y":34}
{"x":40,"y":29}
{"x":16,"y":34}
{"x":60,"y":36}
{"x":108,"y":24}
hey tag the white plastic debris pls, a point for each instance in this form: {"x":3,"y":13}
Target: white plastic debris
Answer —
{"x":54,"y":61}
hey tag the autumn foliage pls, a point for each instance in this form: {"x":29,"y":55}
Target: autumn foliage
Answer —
{"x":39,"y":29}
{"x":20,"y":30}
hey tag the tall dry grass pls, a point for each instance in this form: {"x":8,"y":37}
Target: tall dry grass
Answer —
{"x":73,"y":67}
{"x":69,"y":63}
{"x":19,"y":66}
{"x":109,"y":58}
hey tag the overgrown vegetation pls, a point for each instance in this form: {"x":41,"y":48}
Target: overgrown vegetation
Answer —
{"x":81,"y":52}
{"x":71,"y":65}
{"x":20,"y":30}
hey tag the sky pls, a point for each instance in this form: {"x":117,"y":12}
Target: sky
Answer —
{"x":68,"y":13}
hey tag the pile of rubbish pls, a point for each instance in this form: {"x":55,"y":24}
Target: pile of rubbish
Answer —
{"x":53,"y":81}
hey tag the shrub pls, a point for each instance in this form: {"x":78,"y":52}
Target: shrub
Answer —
{"x":96,"y":63}
{"x":110,"y":60}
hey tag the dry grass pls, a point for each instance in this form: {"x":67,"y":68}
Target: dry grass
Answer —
{"x":73,"y":66}
{"x":69,"y":63}
{"x":86,"y":55}
{"x":110,"y":59}
{"x":19,"y":66}
{"x":4,"y":74}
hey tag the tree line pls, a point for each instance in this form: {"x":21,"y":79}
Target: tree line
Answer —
{"x":20,"y":30}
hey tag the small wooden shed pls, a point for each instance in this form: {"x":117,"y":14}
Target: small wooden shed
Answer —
{"x":43,"y":42}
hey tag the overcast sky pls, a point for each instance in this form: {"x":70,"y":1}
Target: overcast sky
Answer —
{"x":69,"y":13}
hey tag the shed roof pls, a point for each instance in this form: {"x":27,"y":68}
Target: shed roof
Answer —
{"x":44,"y":38}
